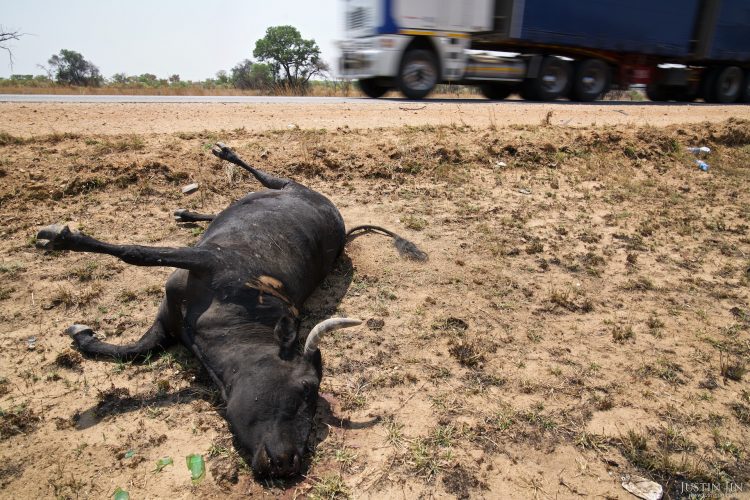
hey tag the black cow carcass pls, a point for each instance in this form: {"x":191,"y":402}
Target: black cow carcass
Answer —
{"x":234,"y":301}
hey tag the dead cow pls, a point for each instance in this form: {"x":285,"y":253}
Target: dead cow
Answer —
{"x":234,"y":302}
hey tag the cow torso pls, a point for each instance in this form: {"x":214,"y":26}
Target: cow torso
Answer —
{"x":272,"y":249}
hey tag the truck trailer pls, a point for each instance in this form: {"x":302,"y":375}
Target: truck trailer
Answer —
{"x":680,"y":50}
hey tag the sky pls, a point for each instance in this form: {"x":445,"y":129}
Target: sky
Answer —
{"x":192,"y":38}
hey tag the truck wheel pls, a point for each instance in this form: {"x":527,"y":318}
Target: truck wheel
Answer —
{"x":746,"y":92}
{"x":554,"y":79}
{"x":496,"y":91}
{"x":727,"y":85}
{"x":591,"y":80}
{"x":418,"y":74}
{"x":371,"y":88}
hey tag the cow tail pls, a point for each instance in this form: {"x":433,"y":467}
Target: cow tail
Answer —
{"x":405,"y":248}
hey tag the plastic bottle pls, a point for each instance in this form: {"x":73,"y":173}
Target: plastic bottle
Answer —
{"x":703,"y":149}
{"x":702,"y":165}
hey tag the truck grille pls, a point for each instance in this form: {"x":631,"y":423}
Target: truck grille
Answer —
{"x":357,"y":19}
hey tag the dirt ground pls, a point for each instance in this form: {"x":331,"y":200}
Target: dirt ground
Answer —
{"x":38,"y":119}
{"x":584,"y":314}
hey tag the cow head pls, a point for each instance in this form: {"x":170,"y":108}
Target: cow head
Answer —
{"x":272,"y":411}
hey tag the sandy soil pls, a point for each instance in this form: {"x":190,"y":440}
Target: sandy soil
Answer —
{"x":34,"y":119}
{"x":584,"y":313}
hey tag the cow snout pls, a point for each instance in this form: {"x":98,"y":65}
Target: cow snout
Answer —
{"x":279,"y":464}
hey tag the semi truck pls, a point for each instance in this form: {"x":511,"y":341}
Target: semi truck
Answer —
{"x":680,"y":50}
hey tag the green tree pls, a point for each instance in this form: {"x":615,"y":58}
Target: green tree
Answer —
{"x":71,"y":68}
{"x":120,"y":79}
{"x":293,"y":59}
{"x":222,"y":78}
{"x":147,"y":79}
{"x":250,"y":75}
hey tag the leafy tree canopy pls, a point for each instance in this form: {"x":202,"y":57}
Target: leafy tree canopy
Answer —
{"x":293,"y":59}
{"x":250,"y":75}
{"x":71,"y":68}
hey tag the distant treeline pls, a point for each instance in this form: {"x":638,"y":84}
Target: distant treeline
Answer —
{"x":286,"y":63}
{"x":40,"y":84}
{"x":244,"y":76}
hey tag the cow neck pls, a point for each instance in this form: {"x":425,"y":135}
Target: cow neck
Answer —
{"x":249,"y":366}
{"x":225,"y":362}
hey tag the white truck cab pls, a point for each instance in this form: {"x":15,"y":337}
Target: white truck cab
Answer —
{"x":413,"y":45}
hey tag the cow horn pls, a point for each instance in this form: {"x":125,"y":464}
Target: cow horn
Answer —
{"x":313,"y":339}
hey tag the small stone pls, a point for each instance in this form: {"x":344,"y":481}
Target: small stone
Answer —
{"x":642,"y":487}
{"x":375,"y":324}
{"x":190,"y":188}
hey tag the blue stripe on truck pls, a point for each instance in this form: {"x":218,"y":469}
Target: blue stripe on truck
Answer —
{"x":389,"y":26}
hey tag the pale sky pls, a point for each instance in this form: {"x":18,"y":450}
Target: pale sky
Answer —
{"x":192,"y":38}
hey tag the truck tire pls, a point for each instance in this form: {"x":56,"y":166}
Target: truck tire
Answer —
{"x":591,"y":81}
{"x":371,"y":88}
{"x":418,"y":73}
{"x":495,"y":91}
{"x":746,"y":92}
{"x":727,"y":85}
{"x":554,"y":79}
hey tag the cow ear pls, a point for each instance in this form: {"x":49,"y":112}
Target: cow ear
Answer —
{"x":286,"y":332}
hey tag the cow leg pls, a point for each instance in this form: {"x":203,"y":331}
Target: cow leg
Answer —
{"x":156,"y":339}
{"x":182,"y":215}
{"x":59,"y":237}
{"x":270,"y":181}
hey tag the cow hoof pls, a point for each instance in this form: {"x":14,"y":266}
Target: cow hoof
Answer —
{"x":82,"y":335}
{"x":74,"y":330}
{"x":222,"y":151}
{"x":52,"y":237}
{"x":178,"y":215}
